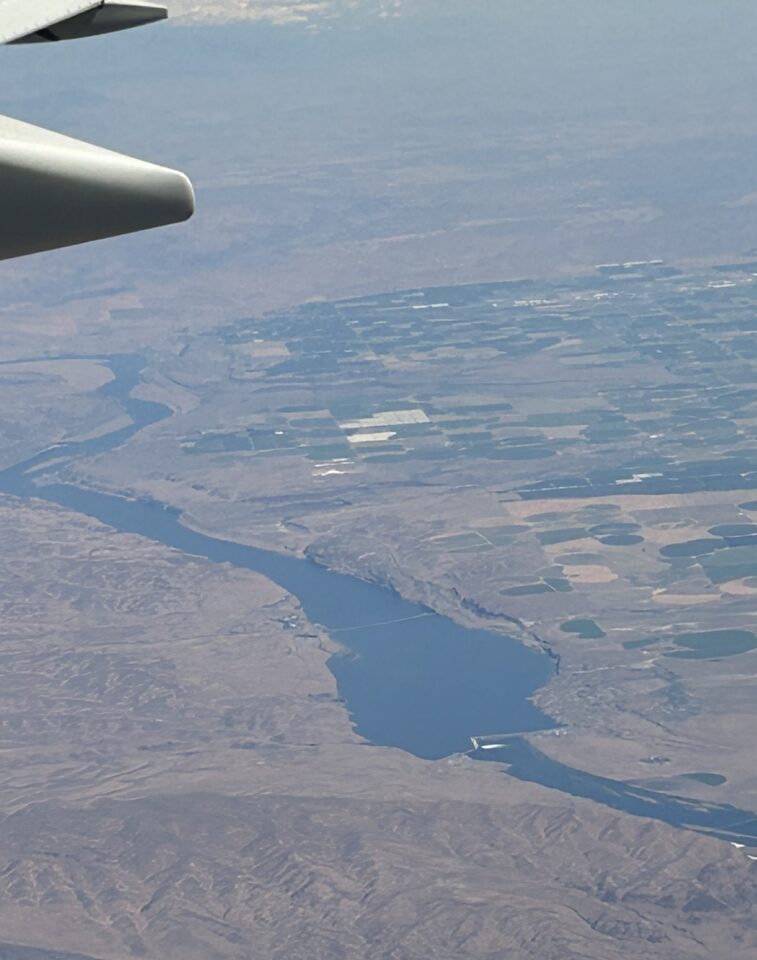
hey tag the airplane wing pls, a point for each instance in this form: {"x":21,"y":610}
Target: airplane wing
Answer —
{"x":56,"y":191}
{"x":30,"y":21}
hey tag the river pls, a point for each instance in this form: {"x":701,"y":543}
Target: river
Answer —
{"x":410,"y":678}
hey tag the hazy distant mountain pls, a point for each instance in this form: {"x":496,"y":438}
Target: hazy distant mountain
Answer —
{"x":289,"y":11}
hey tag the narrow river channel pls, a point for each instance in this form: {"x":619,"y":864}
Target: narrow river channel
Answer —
{"x":410,"y":678}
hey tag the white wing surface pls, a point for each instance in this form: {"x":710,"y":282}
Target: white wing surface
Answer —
{"x":20,"y":18}
{"x":29,"y":21}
